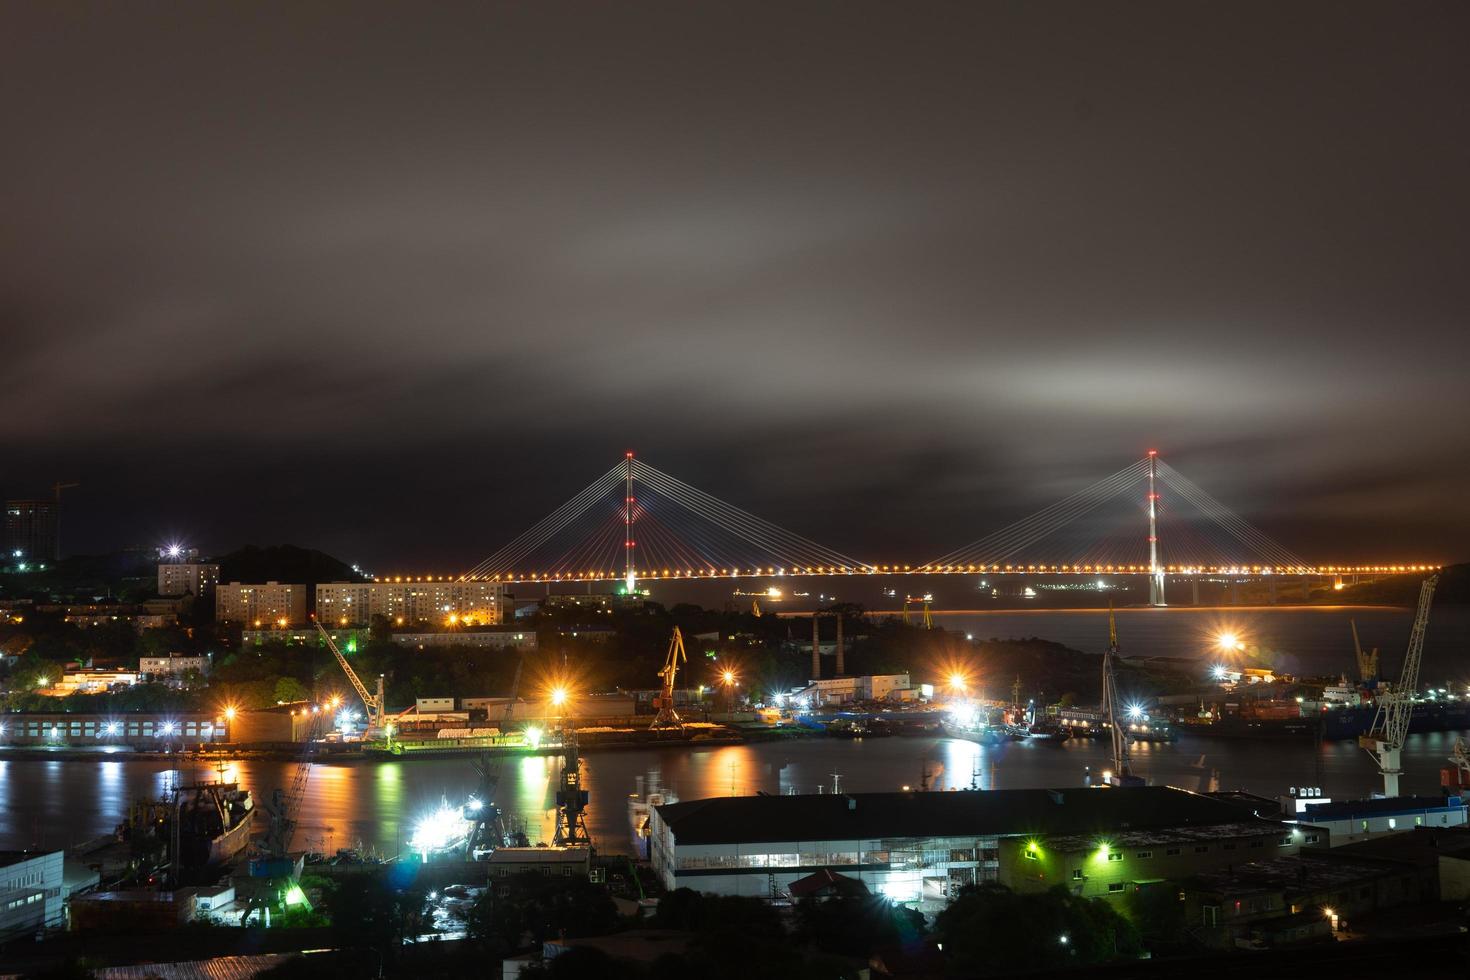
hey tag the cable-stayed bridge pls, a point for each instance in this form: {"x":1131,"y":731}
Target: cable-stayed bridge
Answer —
{"x":638,"y":523}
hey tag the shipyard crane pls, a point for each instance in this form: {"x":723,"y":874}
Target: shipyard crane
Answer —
{"x":482,"y":810}
{"x":1367,"y":662}
{"x":1122,"y":770}
{"x":373,"y":703}
{"x":666,"y":717}
{"x":1385,"y":740}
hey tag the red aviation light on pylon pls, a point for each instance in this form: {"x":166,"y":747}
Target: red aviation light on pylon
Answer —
{"x":629,"y":455}
{"x":1151,"y":452}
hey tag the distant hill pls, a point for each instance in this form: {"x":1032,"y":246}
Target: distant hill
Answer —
{"x":284,"y":563}
{"x":1403,"y":590}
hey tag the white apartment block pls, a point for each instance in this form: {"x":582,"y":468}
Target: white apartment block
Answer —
{"x":187,"y":578}
{"x":270,"y":604}
{"x":408,"y":603}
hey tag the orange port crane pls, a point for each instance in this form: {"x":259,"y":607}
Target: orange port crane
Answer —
{"x":373,"y":703}
{"x":667,"y":717}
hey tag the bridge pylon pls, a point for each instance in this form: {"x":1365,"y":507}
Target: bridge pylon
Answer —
{"x":1155,"y":570}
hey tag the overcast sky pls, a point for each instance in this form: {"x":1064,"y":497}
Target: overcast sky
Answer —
{"x":394,"y":280}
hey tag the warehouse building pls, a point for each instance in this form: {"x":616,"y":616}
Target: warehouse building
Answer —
{"x":921,"y":848}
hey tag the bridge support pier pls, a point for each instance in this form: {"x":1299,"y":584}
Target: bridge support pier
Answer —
{"x":816,"y":648}
{"x":1272,"y":582}
{"x":1194,"y":591}
{"x":841,"y":671}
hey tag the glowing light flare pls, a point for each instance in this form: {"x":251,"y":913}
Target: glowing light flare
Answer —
{"x":438,"y":829}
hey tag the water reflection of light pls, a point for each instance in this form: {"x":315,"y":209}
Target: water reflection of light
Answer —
{"x":534,"y":800}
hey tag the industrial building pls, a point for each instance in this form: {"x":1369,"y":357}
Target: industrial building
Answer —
{"x":187,"y":578}
{"x":268,"y":604}
{"x":1100,"y":865}
{"x":31,"y":893}
{"x":1287,"y":900}
{"x":442,"y":603}
{"x":921,"y":848}
{"x":138,"y":730}
{"x":277,"y":724}
{"x":1350,"y":821}
{"x":842,"y":690}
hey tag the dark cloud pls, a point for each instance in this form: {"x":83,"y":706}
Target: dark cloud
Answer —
{"x":395,"y":280}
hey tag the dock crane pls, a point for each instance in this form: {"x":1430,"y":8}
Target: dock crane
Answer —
{"x":667,"y":718}
{"x":1122,"y":770}
{"x":1385,"y":740}
{"x":373,"y":703}
{"x":482,"y":810}
{"x":1367,"y":662}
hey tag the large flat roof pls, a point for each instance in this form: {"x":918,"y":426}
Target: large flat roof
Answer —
{"x":964,"y":813}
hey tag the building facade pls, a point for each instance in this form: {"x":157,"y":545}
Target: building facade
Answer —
{"x":128,"y":729}
{"x":915,"y":848}
{"x":31,"y":896}
{"x":1111,"y":865}
{"x":31,"y":530}
{"x":187,"y":578}
{"x":412,"y":603}
{"x":269,"y":604}
{"x":171,"y":666}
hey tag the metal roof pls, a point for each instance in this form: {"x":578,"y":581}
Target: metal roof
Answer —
{"x":965,"y":813}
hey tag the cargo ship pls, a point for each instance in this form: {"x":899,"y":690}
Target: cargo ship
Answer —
{"x":651,"y":793}
{"x":1324,"y":720}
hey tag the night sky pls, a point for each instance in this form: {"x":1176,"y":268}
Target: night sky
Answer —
{"x":394,"y":280}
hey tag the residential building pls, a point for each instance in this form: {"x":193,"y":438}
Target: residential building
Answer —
{"x":268,"y":604}
{"x":485,"y":638}
{"x":915,"y":848}
{"x":31,"y":894}
{"x":31,"y":530}
{"x":439,"y":603}
{"x":174,"y":665}
{"x":187,"y":578}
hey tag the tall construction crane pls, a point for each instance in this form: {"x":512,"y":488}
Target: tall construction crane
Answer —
{"x":373,"y":703}
{"x":667,"y":718}
{"x":1367,"y":662}
{"x":1122,"y":770}
{"x":1385,"y":740}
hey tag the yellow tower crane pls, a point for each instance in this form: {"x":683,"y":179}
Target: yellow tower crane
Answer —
{"x":667,"y":718}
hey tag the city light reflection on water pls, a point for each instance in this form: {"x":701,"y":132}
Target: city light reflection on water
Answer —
{"x":55,"y":803}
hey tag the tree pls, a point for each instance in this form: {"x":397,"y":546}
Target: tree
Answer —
{"x":858,"y":925}
{"x":536,"y":908}
{"x":990,"y":930}
{"x":289,"y":690}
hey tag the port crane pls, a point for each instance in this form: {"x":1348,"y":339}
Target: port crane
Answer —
{"x":1367,"y":662}
{"x":481,"y":810}
{"x":667,"y":718}
{"x":1385,"y":740}
{"x":373,"y":703}
{"x":1122,"y":770}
